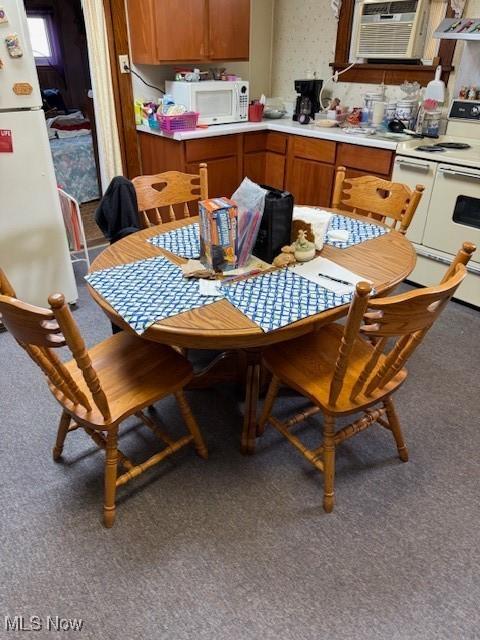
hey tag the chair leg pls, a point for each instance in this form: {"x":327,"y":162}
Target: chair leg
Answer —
{"x":110,"y":478}
{"x":328,"y":462}
{"x":192,"y":425}
{"x":65,"y":420}
{"x":396,"y":429}
{"x":268,"y":404}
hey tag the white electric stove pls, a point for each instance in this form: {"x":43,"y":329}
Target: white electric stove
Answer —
{"x":449,"y":212}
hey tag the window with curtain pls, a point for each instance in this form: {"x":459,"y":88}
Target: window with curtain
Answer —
{"x":44,"y":38}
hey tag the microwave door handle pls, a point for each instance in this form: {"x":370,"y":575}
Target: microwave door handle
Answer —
{"x":461,"y":174}
{"x":237,"y":99}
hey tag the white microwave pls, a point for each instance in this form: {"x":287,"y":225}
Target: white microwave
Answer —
{"x":217,"y":101}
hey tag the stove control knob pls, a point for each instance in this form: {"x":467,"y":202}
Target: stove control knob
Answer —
{"x":475,"y":111}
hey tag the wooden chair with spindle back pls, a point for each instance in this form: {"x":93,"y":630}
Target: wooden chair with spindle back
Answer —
{"x":101,"y":387}
{"x":167,"y":190}
{"x":342,"y":373}
{"x":392,"y":203}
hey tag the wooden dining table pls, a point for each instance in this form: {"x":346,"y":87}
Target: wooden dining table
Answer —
{"x":385,"y":261}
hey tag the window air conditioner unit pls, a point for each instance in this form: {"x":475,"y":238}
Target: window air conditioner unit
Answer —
{"x":390,"y":30}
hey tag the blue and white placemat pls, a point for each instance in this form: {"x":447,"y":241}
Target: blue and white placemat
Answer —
{"x":183,"y":242}
{"x":146,"y":291}
{"x":278,"y":298}
{"x":358,"y":231}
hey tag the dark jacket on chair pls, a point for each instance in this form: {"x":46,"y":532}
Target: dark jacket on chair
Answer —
{"x":117,"y":213}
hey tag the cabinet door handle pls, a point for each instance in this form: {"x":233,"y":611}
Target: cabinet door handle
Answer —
{"x":461,"y":174}
{"x":416,"y":165}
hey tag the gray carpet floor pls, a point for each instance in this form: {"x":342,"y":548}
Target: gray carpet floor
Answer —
{"x":239,"y":548}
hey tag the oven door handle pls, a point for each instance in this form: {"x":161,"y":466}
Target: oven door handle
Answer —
{"x":460,"y":174}
{"x":471,"y":268}
{"x":416,"y":165}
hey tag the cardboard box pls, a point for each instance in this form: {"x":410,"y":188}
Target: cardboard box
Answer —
{"x":218,"y":233}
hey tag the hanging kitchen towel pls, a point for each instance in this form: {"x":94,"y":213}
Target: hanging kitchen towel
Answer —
{"x":358,"y":231}
{"x":146,"y":291}
{"x":278,"y":298}
{"x":183,"y":242}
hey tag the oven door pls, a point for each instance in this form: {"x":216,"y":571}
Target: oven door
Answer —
{"x":454,"y":211}
{"x":412,"y":171}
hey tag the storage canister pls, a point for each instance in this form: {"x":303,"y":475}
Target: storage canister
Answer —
{"x":390,"y":111}
{"x":431,"y":123}
{"x":406,"y":111}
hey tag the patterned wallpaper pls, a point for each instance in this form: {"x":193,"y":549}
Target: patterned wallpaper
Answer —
{"x":305,"y":33}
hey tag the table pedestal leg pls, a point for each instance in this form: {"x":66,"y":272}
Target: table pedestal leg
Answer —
{"x":252,"y":391}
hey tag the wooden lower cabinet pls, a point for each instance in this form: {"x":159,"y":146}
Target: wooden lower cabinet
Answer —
{"x":266,"y":168}
{"x":223,"y":175}
{"x":254,"y":166}
{"x":264,"y":157}
{"x":303,"y":166}
{"x":275,"y":170}
{"x":367,"y":160}
{"x":310,"y":182}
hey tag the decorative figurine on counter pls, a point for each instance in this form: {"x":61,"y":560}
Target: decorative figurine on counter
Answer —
{"x":304,"y":249}
{"x":355,"y":116}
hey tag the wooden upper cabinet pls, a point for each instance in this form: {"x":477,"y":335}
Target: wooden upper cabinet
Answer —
{"x":188,"y":31}
{"x":229,"y":29}
{"x":141,"y":24}
{"x":180,"y":29}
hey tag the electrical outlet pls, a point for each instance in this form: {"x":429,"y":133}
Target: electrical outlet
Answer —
{"x":123,"y":61}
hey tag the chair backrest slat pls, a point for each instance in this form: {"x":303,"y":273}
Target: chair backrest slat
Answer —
{"x":79,"y":351}
{"x":377,"y":198}
{"x":39,"y":331}
{"x":78,"y":395}
{"x":32,"y":325}
{"x":354,"y":320}
{"x":405,"y":318}
{"x":165,"y":191}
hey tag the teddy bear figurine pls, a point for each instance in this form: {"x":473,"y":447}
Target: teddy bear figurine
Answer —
{"x":286,"y":257}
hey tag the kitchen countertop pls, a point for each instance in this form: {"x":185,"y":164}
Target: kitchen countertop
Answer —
{"x":284,"y":125}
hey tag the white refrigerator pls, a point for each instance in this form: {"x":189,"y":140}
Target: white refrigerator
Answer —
{"x":33,"y":244}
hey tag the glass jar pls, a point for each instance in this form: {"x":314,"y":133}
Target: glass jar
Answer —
{"x":431,"y":123}
{"x":370,"y":100}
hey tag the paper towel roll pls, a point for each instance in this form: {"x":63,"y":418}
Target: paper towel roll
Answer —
{"x":378,"y":112}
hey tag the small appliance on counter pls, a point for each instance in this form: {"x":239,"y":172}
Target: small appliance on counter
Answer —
{"x":308,"y":100}
{"x":217,"y":102}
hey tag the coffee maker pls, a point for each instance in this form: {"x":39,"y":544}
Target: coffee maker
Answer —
{"x":308,"y":100}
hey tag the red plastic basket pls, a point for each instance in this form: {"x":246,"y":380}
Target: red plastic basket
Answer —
{"x":184,"y":122}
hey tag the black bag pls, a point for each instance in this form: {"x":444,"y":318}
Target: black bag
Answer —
{"x":276,"y":225}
